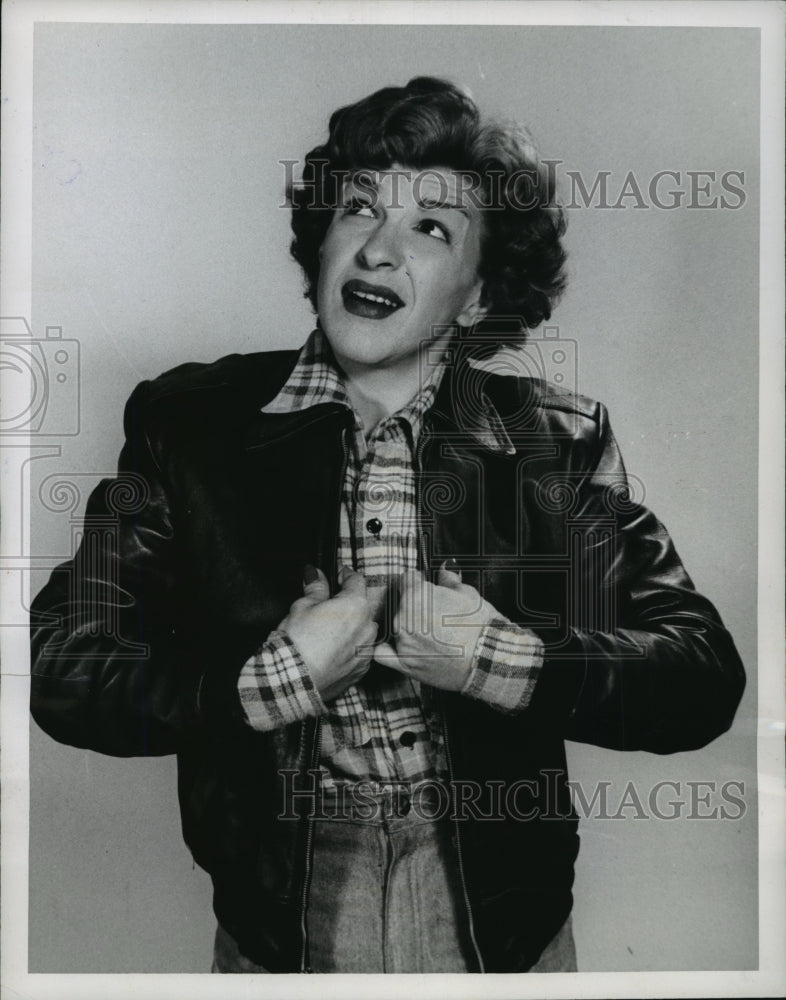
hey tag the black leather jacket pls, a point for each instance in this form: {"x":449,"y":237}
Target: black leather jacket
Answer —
{"x":195,"y":552}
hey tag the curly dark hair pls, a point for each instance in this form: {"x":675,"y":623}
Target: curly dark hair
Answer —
{"x":432,"y":123}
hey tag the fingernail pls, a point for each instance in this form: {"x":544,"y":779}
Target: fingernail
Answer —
{"x":310,"y":574}
{"x":451,"y":565}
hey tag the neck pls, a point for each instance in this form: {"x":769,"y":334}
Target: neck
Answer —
{"x":375,"y":398}
{"x":380,"y":391}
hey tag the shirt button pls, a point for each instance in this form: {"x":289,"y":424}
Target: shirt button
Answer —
{"x":407,"y":739}
{"x":374,"y":526}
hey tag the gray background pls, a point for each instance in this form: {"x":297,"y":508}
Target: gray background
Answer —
{"x":159,"y":238}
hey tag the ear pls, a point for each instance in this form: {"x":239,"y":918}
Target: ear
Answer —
{"x":473,"y":311}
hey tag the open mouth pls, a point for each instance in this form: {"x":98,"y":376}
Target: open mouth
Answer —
{"x":369,"y":301}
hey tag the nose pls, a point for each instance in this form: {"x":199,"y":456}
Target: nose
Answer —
{"x":382,"y":247}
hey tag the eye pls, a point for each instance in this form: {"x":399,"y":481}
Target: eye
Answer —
{"x":432,"y":228}
{"x":357,"y":206}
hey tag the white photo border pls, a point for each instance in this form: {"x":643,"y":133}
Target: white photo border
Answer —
{"x":15,"y":293}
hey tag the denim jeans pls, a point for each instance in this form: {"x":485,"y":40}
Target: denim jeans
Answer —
{"x":386,"y":897}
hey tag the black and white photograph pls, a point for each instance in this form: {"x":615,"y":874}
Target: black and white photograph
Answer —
{"x":392,"y":444}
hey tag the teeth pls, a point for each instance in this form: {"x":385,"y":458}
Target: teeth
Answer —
{"x":375,"y":298}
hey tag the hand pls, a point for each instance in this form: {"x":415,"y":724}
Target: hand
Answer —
{"x":436,"y":630}
{"x":334,"y":635}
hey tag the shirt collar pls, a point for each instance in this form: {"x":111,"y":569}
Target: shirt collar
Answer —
{"x":316,"y":379}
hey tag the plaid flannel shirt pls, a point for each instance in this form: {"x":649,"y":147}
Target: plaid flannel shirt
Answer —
{"x":387,"y":728}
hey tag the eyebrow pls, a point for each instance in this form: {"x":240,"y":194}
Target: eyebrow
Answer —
{"x":429,"y":204}
{"x":369,"y":182}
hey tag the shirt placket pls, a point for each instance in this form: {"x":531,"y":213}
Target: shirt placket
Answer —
{"x":377,"y":729}
{"x":386,"y":520}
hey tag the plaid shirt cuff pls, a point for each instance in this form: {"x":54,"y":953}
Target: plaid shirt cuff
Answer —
{"x":275,"y":686}
{"x":505,"y":666}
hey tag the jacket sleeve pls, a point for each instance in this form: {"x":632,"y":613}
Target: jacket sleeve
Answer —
{"x":647,"y":663}
{"x":111,"y":667}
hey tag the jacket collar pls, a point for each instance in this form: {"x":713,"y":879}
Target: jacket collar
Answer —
{"x":312,"y":394}
{"x":276,"y":428}
{"x":464,"y":406}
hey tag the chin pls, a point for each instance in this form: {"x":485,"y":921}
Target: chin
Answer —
{"x":368,"y":359}
{"x":361,"y":346}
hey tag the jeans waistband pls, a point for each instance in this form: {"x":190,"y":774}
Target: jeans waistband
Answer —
{"x":378,"y":803}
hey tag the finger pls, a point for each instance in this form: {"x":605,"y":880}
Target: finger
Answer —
{"x":413,"y":597}
{"x":410,"y":580}
{"x":385,"y":654}
{"x":359,"y":671}
{"x":352,"y":583}
{"x":315,"y":584}
{"x":364,"y":647}
{"x":302,"y":604}
{"x":449,"y":574}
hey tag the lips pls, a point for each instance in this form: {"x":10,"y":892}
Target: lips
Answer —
{"x":369,"y":301}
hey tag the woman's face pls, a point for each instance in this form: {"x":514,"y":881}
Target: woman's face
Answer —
{"x":399,"y":265}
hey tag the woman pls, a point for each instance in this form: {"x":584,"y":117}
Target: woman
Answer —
{"x":370,"y":587}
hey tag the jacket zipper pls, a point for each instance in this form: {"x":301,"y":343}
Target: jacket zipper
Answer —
{"x":307,"y":870}
{"x":448,"y":757}
{"x":459,"y":853}
{"x":315,"y":748}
